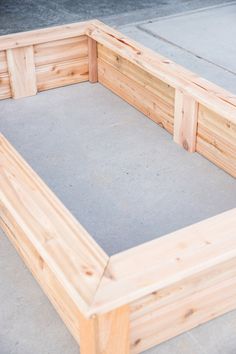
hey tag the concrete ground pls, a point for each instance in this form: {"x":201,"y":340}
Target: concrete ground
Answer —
{"x":23,"y":15}
{"x":120,"y":174}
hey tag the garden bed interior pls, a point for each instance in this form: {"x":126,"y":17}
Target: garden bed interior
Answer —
{"x":124,"y":179}
{"x":118,"y":172}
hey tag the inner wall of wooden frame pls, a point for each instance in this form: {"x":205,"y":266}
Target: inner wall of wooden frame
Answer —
{"x":117,"y":171}
{"x":57,"y":63}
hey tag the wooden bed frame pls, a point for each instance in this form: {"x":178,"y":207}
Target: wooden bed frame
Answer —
{"x":140,"y":297}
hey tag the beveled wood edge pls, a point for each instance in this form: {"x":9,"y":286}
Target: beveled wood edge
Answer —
{"x":132,"y":274}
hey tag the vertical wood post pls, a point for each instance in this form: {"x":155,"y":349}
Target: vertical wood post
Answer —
{"x":21,"y":70}
{"x":92,"y":57}
{"x":185,"y":121}
{"x":107,"y":333}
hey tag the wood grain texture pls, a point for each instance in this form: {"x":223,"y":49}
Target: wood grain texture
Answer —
{"x":133,"y":83}
{"x":60,"y":63}
{"x":148,"y":294}
{"x":165,"y":261}
{"x":62,"y":73}
{"x":22,"y":39}
{"x":136,"y":70}
{"x":21,"y":70}
{"x":107,"y":333}
{"x":3,"y":62}
{"x":61,"y":50}
{"x":203,"y":91}
{"x":5,"y":88}
{"x":159,"y":323}
{"x":132,"y":92}
{"x":32,"y":213}
{"x":148,"y":81}
{"x":216,"y":139}
{"x":93,"y":63}
{"x":55,"y":291}
{"x":185,"y":121}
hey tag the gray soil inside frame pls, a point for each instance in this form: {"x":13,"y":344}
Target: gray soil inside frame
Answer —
{"x":118,"y":172}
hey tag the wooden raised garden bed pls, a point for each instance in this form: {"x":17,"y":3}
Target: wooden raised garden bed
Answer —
{"x":138,"y":298}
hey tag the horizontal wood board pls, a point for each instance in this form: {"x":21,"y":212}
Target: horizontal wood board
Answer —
{"x":216,"y":139}
{"x":167,"y":286}
{"x":148,"y":94}
{"x":43,"y":35}
{"x":34,"y":215}
{"x":201,"y":90}
{"x":189,"y":278}
{"x":55,"y":291}
{"x":62,"y":62}
{"x":164,"y":261}
{"x":183,"y":305}
{"x":5,"y":89}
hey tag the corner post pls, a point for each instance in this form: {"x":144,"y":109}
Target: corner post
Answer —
{"x":106,"y":333}
{"x":92,"y":57}
{"x":21,"y":70}
{"x":185,"y":121}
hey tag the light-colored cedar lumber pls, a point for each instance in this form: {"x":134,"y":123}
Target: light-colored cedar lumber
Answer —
{"x":55,"y":291}
{"x":3,"y":62}
{"x":5,"y":89}
{"x":219,"y":157}
{"x":92,"y":57}
{"x":150,"y":293}
{"x":61,"y":50}
{"x":43,"y":35}
{"x":140,"y":76}
{"x":107,"y":333}
{"x":164,"y":322}
{"x":62,"y":73}
{"x":185,"y":121}
{"x":146,"y":93}
{"x":121,"y":58}
{"x":132,"y":92}
{"x":216,"y":139}
{"x":46,"y":232}
{"x":174,"y":283}
{"x":203,"y":91}
{"x":160,"y":263}
{"x":21,"y":70}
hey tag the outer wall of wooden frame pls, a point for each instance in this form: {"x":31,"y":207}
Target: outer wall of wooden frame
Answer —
{"x":143,"y":296}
